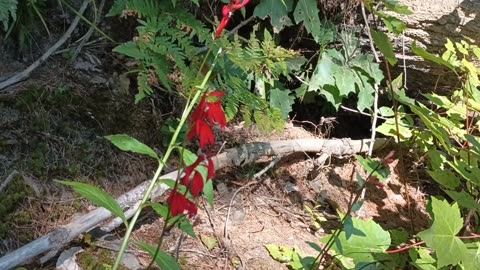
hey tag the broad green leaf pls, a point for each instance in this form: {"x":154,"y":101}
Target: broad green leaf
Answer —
{"x":362,"y":249}
{"x":97,"y":197}
{"x":421,"y":259}
{"x":428,"y":56}
{"x":463,"y":199}
{"x":385,"y":46}
{"x":127,"y":143}
{"x":389,"y":128}
{"x":394,"y":25}
{"x":365,"y":92}
{"x":208,"y":241}
{"x":187,"y":227}
{"x":366,"y":63}
{"x":386,"y":111}
{"x":164,"y":261}
{"x":374,"y":167}
{"x":345,"y":79}
{"x":282,"y":100}
{"x":445,"y":178}
{"x":468,"y":172}
{"x":307,"y":12}
{"x":278,"y":13}
{"x":280,"y":253}
{"x":472,"y":258}
{"x":188,"y":156}
{"x":209,"y":192}
{"x":323,"y":73}
{"x":441,"y":236}
{"x":160,"y":209}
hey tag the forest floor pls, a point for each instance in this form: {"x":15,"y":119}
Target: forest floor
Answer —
{"x":52,"y":128}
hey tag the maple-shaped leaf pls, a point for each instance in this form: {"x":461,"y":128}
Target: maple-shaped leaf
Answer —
{"x":277,"y":11}
{"x":360,"y":243}
{"x":441,"y":236}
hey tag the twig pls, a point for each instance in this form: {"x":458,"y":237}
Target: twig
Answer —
{"x":8,"y":180}
{"x":26,"y":73}
{"x":225,"y":228}
{"x":61,"y":236}
{"x":269,"y":166}
{"x":90,"y":30}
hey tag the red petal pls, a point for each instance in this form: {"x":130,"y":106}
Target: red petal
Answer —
{"x":222,"y":25}
{"x":216,"y":114}
{"x":197,"y":184}
{"x":179,"y":204}
{"x":226,"y":11}
{"x":238,"y":6}
{"x":211,"y":169}
{"x":206,"y":135}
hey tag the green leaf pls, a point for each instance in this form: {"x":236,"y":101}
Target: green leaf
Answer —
{"x":278,"y":13}
{"x":307,"y":12}
{"x":188,"y":156}
{"x":280,"y":253}
{"x":385,"y":46}
{"x":430,"y":57}
{"x":362,"y":249}
{"x":163,"y":260}
{"x":422,"y":259}
{"x":97,"y":197}
{"x":160,"y":209}
{"x":282,"y":100}
{"x":323,"y":73}
{"x":472,"y":258}
{"x":127,"y":143}
{"x":395,"y":6}
{"x":208,"y":241}
{"x":441,"y":236}
{"x":131,"y":49}
{"x":463,"y":199}
{"x":374,"y":167}
{"x":187,"y":227}
{"x":8,"y":8}
{"x":209,"y":192}
{"x":446,"y":178}
{"x":393,"y":24}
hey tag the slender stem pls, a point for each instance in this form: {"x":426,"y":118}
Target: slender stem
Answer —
{"x":162,"y":163}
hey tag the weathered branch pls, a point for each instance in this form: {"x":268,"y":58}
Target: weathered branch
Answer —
{"x":26,"y":73}
{"x":233,"y":157}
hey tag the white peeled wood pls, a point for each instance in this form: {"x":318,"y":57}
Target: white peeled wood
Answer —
{"x":244,"y":154}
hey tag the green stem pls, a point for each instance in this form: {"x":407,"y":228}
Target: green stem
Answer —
{"x":162,"y":163}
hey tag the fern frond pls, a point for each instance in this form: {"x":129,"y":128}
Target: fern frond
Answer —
{"x":8,"y":9}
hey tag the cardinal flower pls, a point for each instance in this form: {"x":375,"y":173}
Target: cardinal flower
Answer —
{"x":193,"y":179}
{"x":227,"y":12}
{"x":179,"y":205}
{"x":208,"y":112}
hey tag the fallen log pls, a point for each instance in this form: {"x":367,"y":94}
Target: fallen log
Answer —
{"x":239,"y":156}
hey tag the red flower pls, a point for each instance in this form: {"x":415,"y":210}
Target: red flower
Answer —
{"x":193,"y":179}
{"x":205,"y":116}
{"x":227,"y":12}
{"x":179,"y":205}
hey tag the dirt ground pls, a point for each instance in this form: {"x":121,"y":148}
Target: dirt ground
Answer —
{"x":52,"y":128}
{"x":56,"y":134}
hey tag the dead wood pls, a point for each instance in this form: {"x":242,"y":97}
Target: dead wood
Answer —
{"x":26,"y":73}
{"x":242,"y":155}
